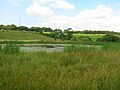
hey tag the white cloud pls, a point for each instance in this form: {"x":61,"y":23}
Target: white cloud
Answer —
{"x":59,"y":21}
{"x":44,"y":2}
{"x":37,"y":9}
{"x":16,"y":2}
{"x":13,"y":2}
{"x":43,"y":7}
{"x":101,"y":18}
{"x":63,"y":4}
{"x":100,"y":12}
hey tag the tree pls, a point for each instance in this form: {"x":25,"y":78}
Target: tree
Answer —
{"x":10,"y":27}
{"x":68,"y":34}
{"x":23,"y":28}
{"x":2,"y":26}
{"x":45,"y":29}
{"x":36,"y":29}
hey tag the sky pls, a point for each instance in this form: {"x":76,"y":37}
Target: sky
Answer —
{"x":62,"y":14}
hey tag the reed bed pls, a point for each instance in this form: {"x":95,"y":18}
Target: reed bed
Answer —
{"x":76,"y":68}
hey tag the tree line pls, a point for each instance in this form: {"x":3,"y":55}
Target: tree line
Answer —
{"x":56,"y":33}
{"x":66,"y":34}
{"x":48,"y":29}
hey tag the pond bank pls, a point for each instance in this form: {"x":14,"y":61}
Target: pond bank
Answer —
{"x":48,"y":47}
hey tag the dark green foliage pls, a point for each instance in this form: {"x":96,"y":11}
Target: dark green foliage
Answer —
{"x":61,"y":36}
{"x":2,"y":26}
{"x":109,"y":38}
{"x":68,"y":34}
{"x":46,"y":29}
{"x":36,"y":29}
{"x":22,"y":28}
{"x":8,"y":27}
{"x":94,"y":32}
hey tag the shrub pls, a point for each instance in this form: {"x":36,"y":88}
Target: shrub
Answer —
{"x":81,"y":38}
{"x":85,"y":38}
{"x":73,"y":39}
{"x":109,"y":38}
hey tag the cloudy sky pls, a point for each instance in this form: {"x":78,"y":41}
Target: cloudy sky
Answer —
{"x":76,"y":14}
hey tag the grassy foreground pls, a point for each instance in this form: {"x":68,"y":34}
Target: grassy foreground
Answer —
{"x":73,"y":69}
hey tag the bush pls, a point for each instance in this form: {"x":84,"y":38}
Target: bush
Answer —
{"x":73,"y":39}
{"x":81,"y":38}
{"x":85,"y":38}
{"x":109,"y":38}
{"x":10,"y":48}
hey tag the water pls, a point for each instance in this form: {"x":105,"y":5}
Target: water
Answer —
{"x":43,"y":47}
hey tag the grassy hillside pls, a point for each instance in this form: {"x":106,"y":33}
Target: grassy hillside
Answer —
{"x":81,"y":69}
{"x":19,"y":35}
{"x":92,"y":36}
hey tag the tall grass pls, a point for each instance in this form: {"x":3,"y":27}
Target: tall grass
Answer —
{"x":10,"y":49}
{"x":82,"y":69}
{"x":0,"y":48}
{"x":111,"y":46}
{"x":77,"y":48}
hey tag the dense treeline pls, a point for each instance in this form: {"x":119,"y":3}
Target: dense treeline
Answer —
{"x":47,"y":29}
{"x":56,"y":34}
{"x":95,"y":32}
{"x":66,"y":34}
{"x":24,"y":28}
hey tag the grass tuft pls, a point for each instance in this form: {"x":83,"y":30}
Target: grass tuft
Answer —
{"x":10,"y":49}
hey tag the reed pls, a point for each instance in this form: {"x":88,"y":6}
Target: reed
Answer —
{"x":82,"y":69}
{"x":10,"y":48}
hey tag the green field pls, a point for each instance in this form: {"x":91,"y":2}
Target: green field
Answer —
{"x":19,"y":35}
{"x":73,"y":69}
{"x":92,"y":36}
{"x":47,"y":32}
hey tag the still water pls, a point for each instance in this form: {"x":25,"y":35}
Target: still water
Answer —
{"x":48,"y":47}
{"x":43,"y":47}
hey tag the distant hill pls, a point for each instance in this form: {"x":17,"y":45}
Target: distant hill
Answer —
{"x":22,"y":35}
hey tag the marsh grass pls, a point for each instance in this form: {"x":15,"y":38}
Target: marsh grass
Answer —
{"x":10,"y":49}
{"x":111,"y":46}
{"x":82,"y":69}
{"x":77,"y":48}
{"x":0,"y":48}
